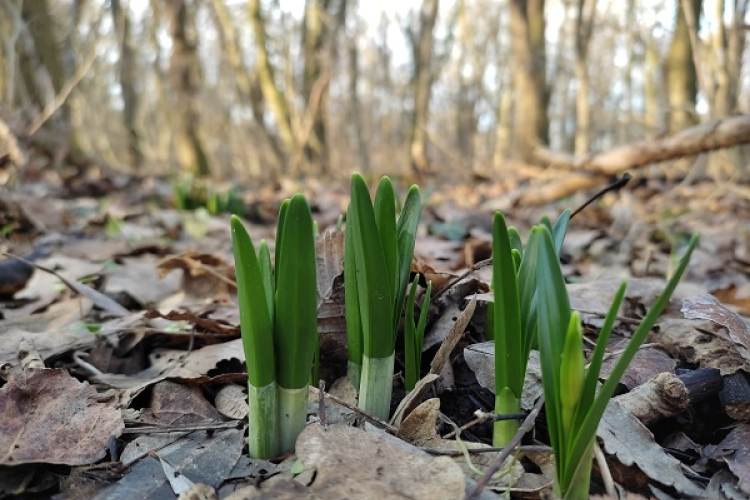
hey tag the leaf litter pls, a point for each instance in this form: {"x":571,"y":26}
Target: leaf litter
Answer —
{"x":146,"y":365}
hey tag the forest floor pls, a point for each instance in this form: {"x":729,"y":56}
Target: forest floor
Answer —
{"x":121,"y":351}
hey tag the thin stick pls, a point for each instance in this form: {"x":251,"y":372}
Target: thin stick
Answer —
{"x":182,"y":428}
{"x":489,"y":449}
{"x":525,"y":427}
{"x":601,"y":461}
{"x":615,"y":186}
{"x":321,"y":402}
{"x":369,"y":416}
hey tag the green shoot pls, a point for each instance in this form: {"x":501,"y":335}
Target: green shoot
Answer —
{"x":414,"y":334}
{"x":278,"y":320}
{"x":573,"y":405}
{"x":378,"y":254}
{"x":512,"y":318}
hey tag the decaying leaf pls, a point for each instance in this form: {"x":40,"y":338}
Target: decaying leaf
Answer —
{"x":48,"y":416}
{"x":707,"y":307}
{"x":481,"y":360}
{"x":354,"y":464}
{"x":627,"y":438}
{"x":735,"y":451}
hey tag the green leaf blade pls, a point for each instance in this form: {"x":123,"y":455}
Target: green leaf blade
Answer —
{"x":296,"y":297}
{"x":255,"y":322}
{"x":375,"y":293}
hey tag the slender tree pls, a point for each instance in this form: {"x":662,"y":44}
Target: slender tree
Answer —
{"x":528,"y":55}
{"x":127,"y":78}
{"x":185,"y":73}
{"x":421,"y":40}
{"x":682,"y":81}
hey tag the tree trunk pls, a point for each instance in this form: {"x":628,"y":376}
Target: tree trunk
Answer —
{"x":682,"y":82}
{"x":127,"y":80}
{"x":584,"y":28}
{"x":361,"y":144}
{"x":273,"y":95}
{"x":529,"y":59}
{"x":245,"y":79}
{"x":422,"y":79}
{"x":314,"y":36}
{"x":184,"y":69}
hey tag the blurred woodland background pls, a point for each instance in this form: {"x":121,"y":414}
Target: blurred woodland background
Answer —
{"x":258,"y":89}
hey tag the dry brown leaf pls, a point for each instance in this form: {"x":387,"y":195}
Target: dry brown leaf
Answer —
{"x":633,"y":444}
{"x":358,"y":465}
{"x":329,"y":261}
{"x":58,"y":329}
{"x":180,"y":404}
{"x":699,"y":343}
{"x":454,"y":335}
{"x":707,"y":307}
{"x":48,"y":416}
{"x":646,"y":364}
{"x":735,"y":451}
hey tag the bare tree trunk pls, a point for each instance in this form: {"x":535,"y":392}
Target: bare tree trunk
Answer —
{"x":422,"y":79}
{"x":584,"y":28}
{"x":273,"y":95}
{"x":529,"y":59}
{"x":682,"y":83}
{"x":652,"y":106}
{"x":504,"y":134}
{"x":626,"y":126}
{"x":127,"y":79}
{"x":245,"y":79}
{"x":362,"y":151}
{"x":184,"y":71}
{"x":727,"y":48}
{"x":313,"y":37}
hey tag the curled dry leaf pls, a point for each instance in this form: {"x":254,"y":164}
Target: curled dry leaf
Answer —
{"x":700,"y":343}
{"x":707,"y":307}
{"x":49,"y":416}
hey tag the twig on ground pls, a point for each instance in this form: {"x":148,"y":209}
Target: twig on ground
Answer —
{"x":525,"y":427}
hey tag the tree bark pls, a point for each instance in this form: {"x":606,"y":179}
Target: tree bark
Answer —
{"x":184,"y":71}
{"x":422,"y":79}
{"x":245,"y":79}
{"x":273,"y":95}
{"x":314,"y":35}
{"x":710,"y":136}
{"x":584,"y":28}
{"x":682,"y":80}
{"x":127,"y":77}
{"x":527,"y":27}
{"x":361,"y":144}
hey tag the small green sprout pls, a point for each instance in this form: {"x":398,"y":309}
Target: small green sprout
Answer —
{"x":278,"y":320}
{"x":512,"y":318}
{"x":377,"y":261}
{"x":414,"y":335}
{"x":573,"y":405}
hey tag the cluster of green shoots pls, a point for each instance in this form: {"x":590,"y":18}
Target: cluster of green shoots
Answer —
{"x":278,"y":316}
{"x":532,"y":306}
{"x":278,"y":321}
{"x":377,"y":262}
{"x":192,"y":194}
{"x":513,"y":316}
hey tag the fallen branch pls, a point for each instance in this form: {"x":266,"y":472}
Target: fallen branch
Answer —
{"x":713,"y":135}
